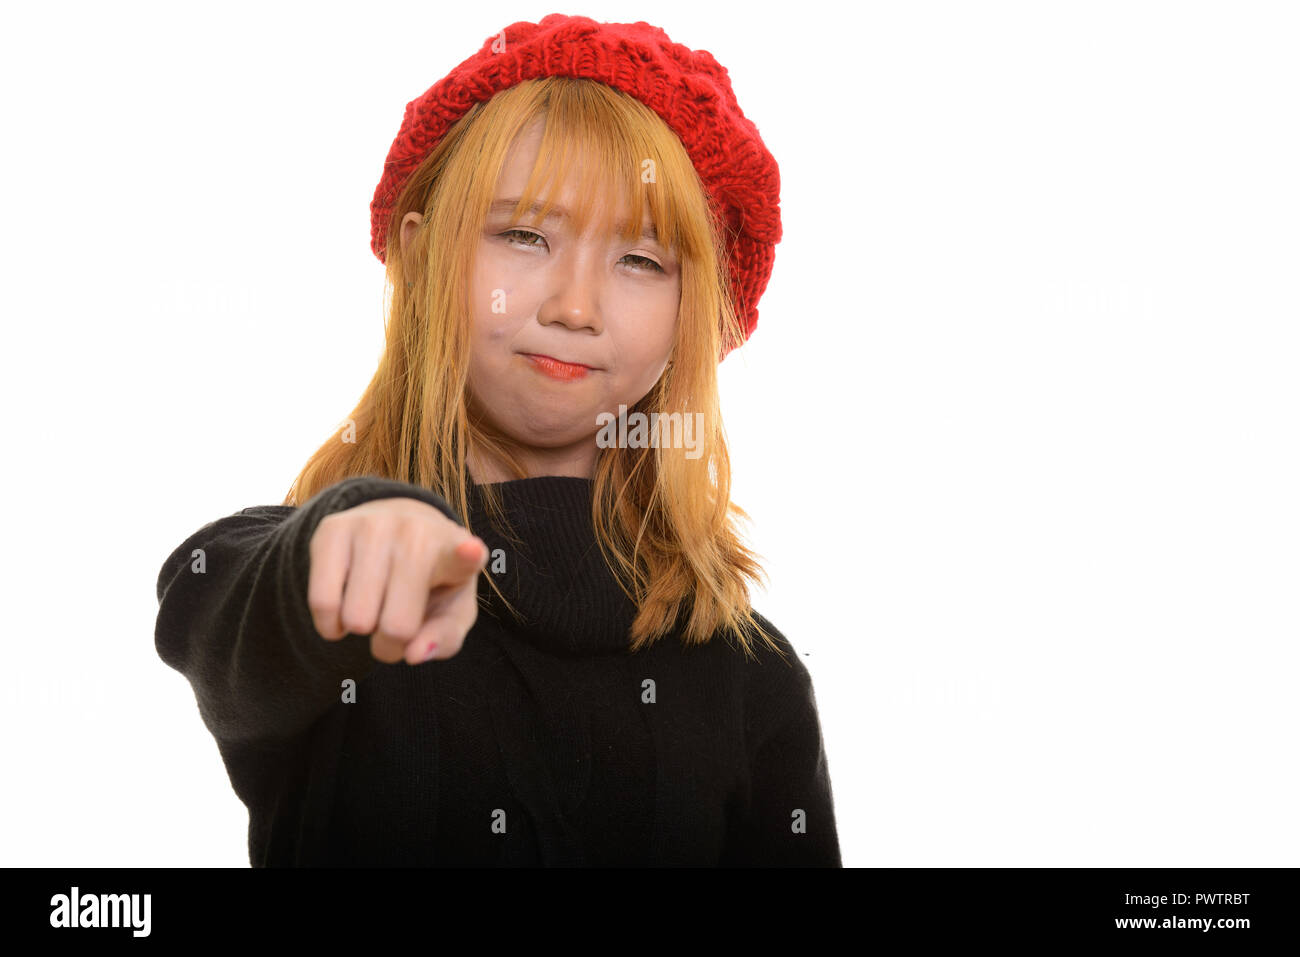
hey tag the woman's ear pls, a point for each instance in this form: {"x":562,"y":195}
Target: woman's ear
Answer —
{"x":411,"y":223}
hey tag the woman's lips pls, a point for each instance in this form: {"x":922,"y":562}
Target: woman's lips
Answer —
{"x":564,"y":371}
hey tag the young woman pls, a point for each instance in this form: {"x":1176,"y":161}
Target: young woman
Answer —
{"x":502,"y":617}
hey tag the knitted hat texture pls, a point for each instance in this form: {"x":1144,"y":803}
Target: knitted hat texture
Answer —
{"x":687,"y":88}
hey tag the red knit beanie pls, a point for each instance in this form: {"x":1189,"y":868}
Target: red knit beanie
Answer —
{"x":688,"y":88}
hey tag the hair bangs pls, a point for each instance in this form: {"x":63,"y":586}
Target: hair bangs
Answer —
{"x":608,"y":146}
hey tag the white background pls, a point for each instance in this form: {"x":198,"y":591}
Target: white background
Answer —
{"x":1018,"y":428}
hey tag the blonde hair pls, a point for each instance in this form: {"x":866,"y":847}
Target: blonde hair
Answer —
{"x":664,"y":522}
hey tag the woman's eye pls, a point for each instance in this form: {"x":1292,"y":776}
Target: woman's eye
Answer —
{"x":649,"y":263}
{"x":525,"y":239}
{"x":525,"y":234}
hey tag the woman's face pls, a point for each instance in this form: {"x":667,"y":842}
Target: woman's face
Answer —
{"x":598,"y":301}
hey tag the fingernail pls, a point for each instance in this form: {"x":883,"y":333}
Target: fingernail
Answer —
{"x":429,"y":654}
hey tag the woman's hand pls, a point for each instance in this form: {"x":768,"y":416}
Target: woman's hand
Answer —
{"x":400,"y":571}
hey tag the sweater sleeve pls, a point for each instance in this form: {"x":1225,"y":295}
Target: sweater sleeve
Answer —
{"x":786,"y":816}
{"x":233,"y":616}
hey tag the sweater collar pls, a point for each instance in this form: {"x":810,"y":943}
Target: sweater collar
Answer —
{"x":555,"y":576}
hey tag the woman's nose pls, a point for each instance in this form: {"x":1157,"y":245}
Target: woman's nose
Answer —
{"x":574,"y":294}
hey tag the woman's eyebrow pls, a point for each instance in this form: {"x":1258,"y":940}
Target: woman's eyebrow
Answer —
{"x":559,"y":212}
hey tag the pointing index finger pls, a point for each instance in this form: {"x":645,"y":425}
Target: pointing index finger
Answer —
{"x":455,"y":565}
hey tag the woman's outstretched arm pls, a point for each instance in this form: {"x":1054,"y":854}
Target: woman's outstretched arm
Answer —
{"x":234,"y":619}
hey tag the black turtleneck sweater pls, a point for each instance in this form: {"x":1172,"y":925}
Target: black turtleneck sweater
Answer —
{"x":538,"y":744}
